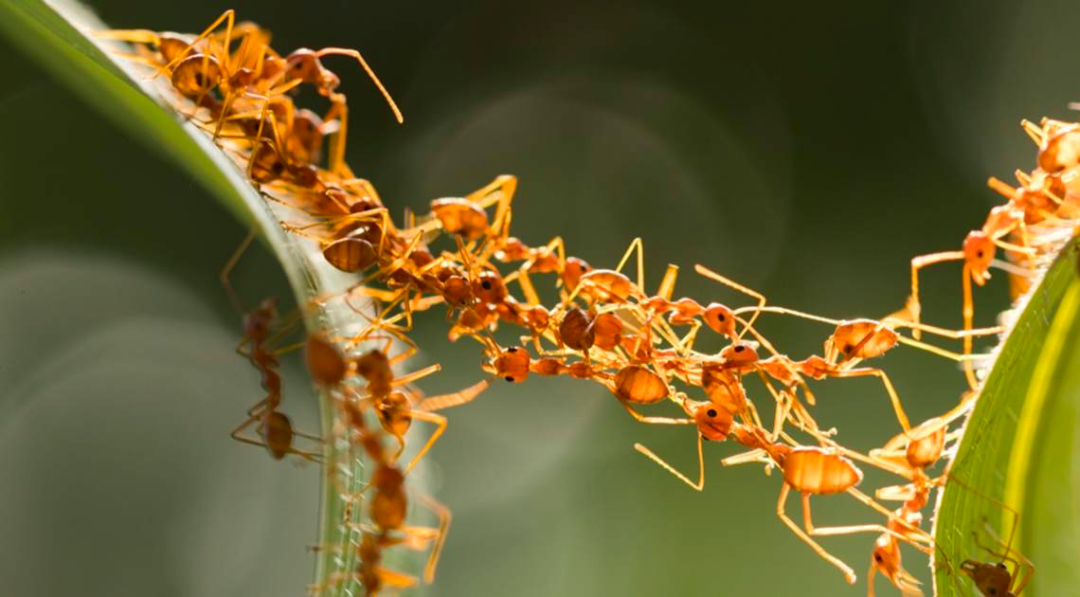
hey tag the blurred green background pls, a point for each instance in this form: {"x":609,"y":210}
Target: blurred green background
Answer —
{"x":809,"y":153}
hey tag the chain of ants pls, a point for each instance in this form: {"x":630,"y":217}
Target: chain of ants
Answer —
{"x":605,"y":328}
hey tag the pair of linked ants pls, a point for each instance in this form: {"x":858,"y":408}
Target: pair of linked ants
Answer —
{"x":605,"y":327}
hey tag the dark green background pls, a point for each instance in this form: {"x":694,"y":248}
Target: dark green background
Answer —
{"x":808,"y":152}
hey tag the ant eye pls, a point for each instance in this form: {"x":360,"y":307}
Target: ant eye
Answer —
{"x":740,"y":348}
{"x":722,"y":317}
{"x":509,"y":378}
{"x":485,"y":285}
{"x":512,"y":349}
{"x":877,"y":558}
{"x":979,"y":254}
{"x":711,"y":412}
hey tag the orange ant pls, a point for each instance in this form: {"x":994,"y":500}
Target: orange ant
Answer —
{"x":387,"y":511}
{"x":274,"y":429}
{"x":394,"y":407}
{"x":996,"y":580}
{"x":812,"y":471}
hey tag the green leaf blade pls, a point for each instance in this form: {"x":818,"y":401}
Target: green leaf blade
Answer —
{"x":57,"y":35}
{"x":1019,"y":447}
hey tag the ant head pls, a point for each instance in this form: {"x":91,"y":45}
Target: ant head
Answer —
{"x":886,"y":558}
{"x":196,"y":75}
{"x":979,"y":253}
{"x":572,"y":272}
{"x":304,"y":64}
{"x":720,"y":319}
{"x":513,"y":364}
{"x":739,"y":354}
{"x":991,"y":579}
{"x":713,"y":421}
{"x":489,"y":288}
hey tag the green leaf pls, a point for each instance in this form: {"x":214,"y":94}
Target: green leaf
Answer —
{"x":1020,"y":448}
{"x":56,"y":34}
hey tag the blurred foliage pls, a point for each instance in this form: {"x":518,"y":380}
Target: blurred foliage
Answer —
{"x":808,"y":152}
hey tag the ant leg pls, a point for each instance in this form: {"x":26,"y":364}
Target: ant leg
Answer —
{"x":941,"y":352}
{"x":340,"y":111}
{"x":929,"y":426}
{"x":371,"y":73}
{"x":236,"y":434}
{"x":756,"y":455}
{"x":1033,"y":130}
{"x":654,"y":420}
{"x":667,"y":283}
{"x":708,"y":273}
{"x":503,"y":185}
{"x":637,"y":245}
{"x":456,"y":399}
{"x":227,"y":270}
{"x":969,"y":316}
{"x":443,"y":513}
{"x":893,"y":396}
{"x":228,"y":16}
{"x":848,"y":573}
{"x":132,"y":36}
{"x":913,"y":531}
{"x":527,"y":288}
{"x":416,"y":375}
{"x":850,"y":529}
{"x":870,"y":578}
{"x":506,"y":186}
{"x":913,"y":308}
{"x":394,"y":579}
{"x":439,"y":421}
{"x":701,"y":465}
